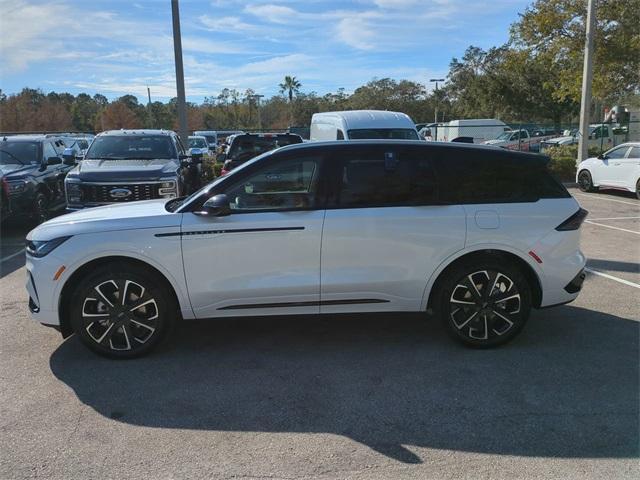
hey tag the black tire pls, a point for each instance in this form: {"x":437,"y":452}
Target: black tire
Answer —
{"x":486,"y":316}
{"x":122,"y":325}
{"x":585,"y":183}
{"x":40,"y":212}
{"x":638,"y":189}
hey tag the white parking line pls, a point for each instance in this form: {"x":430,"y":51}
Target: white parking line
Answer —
{"x":614,"y":218}
{"x":611,"y":277}
{"x":13,"y":255}
{"x":610,"y":226}
{"x":607,"y":199}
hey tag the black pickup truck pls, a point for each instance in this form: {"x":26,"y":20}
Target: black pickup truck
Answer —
{"x":33,"y":171}
{"x":129,"y":165}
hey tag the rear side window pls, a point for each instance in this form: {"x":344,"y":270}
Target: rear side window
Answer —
{"x":486,"y":177}
{"x":384,"y":177}
{"x":634,"y":153}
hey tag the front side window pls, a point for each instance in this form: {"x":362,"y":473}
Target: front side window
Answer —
{"x":19,"y":153}
{"x":383,"y":133}
{"x":378,"y":178}
{"x":132,"y":147}
{"x":49,"y":151}
{"x":286,"y":185}
{"x":617,"y":152}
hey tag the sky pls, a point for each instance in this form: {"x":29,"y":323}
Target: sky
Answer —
{"x":117,"y":47}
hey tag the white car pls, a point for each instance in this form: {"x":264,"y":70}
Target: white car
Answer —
{"x":618,"y":168}
{"x":478,"y":235}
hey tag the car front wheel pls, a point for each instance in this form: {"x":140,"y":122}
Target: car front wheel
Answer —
{"x":585,"y":182}
{"x":484,"y":304}
{"x":122,"y":311}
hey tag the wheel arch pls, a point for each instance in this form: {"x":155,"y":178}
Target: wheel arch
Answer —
{"x":78,"y":274}
{"x":504,"y":255}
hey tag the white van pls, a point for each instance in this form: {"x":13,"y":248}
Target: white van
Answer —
{"x":480,"y":129}
{"x":210,"y":135}
{"x":362,"y":124}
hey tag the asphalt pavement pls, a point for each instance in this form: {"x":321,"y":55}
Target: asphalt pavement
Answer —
{"x":358,"y":397}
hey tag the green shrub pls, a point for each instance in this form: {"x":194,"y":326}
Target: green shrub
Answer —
{"x":564,"y":160}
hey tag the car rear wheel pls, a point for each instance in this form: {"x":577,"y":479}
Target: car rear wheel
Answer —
{"x":122,"y":311}
{"x":484,"y":304}
{"x":585,"y":183}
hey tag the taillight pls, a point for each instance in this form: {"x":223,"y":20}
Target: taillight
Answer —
{"x":574,"y":221}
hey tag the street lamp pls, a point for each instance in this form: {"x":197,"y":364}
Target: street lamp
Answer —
{"x":436,"y":80}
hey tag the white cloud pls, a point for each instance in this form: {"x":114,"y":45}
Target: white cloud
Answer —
{"x":273,"y":13}
{"x":226,"y":24}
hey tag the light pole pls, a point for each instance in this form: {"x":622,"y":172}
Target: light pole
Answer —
{"x":587,"y":77}
{"x":257,"y":98}
{"x":177,"y":50}
{"x":436,"y":80}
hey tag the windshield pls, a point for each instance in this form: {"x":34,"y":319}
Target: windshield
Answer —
{"x":18,"y":153}
{"x":211,"y":139}
{"x":82,"y":143}
{"x":132,"y":147}
{"x":384,"y":133}
{"x":197,"y":142}
{"x":504,"y":136}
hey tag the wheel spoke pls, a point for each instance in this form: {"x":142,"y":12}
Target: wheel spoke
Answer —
{"x":509,"y":323}
{"x":471,"y":286}
{"x":97,"y":288}
{"x":486,"y":330}
{"x":491,"y":285}
{"x":143,"y":325}
{"x":92,"y":315}
{"x":142,"y":303}
{"x":460,"y":327}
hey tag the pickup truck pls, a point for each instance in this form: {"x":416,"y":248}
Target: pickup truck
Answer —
{"x":600,"y":135}
{"x":519,"y":140}
{"x":128,"y":165}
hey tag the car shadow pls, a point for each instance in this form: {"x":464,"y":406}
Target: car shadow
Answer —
{"x":567,"y":387}
{"x":613,"y":265}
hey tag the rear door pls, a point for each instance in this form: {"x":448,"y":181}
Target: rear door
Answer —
{"x":384,"y":232}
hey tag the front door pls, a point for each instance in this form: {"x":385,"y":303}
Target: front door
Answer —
{"x":264,"y":258}
{"x":609,"y":170}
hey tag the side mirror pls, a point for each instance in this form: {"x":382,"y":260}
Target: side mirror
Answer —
{"x":216,"y":206}
{"x":602,"y":156}
{"x":68,"y":156}
{"x":54,"y":161}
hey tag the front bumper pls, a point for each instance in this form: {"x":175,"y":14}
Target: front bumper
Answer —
{"x":41,"y":288}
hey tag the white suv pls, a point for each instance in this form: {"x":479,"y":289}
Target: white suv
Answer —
{"x":479,"y":235}
{"x":618,"y":168}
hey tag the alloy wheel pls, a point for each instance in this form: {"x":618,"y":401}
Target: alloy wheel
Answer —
{"x":485,"y":304}
{"x":120,"y":315}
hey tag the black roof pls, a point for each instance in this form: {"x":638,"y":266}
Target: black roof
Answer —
{"x":433,"y":146}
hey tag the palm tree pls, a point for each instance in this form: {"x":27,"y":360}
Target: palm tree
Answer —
{"x":290,"y":85}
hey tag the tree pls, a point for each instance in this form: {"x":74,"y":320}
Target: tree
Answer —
{"x":290,"y":86}
{"x":552,"y":32}
{"x":117,"y":115}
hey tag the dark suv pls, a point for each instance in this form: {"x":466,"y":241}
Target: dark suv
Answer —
{"x":248,"y":145}
{"x":128,"y":165}
{"x":33,"y":172}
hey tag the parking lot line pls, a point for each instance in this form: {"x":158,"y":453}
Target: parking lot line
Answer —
{"x":13,"y":255}
{"x":611,"y":277}
{"x":614,"y":218}
{"x":610,"y":226}
{"x":606,"y":199}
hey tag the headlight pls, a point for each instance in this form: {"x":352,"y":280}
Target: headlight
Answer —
{"x":16,"y":187}
{"x":74,"y":192}
{"x":40,"y":248}
{"x":168,"y":189}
